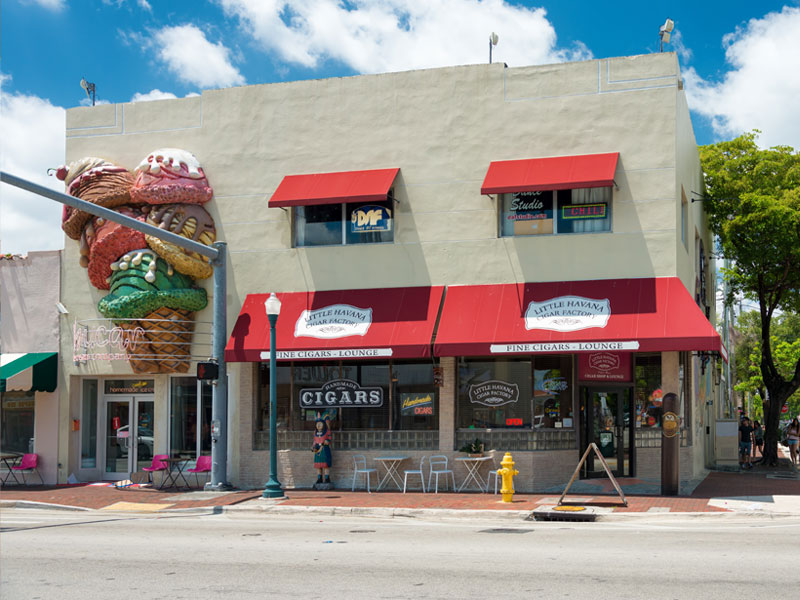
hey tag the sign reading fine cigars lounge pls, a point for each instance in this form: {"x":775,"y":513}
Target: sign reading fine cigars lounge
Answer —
{"x":341,"y":393}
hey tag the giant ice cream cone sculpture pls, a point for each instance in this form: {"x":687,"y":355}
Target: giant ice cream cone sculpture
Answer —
{"x":151,"y":290}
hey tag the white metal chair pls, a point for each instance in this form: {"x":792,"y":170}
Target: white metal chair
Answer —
{"x":415,"y":472}
{"x":492,"y":474}
{"x":438,"y":465}
{"x":359,"y":468}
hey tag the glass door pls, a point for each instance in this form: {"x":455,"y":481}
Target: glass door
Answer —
{"x":117,"y":435}
{"x":143,"y":456}
{"x":606,"y":421}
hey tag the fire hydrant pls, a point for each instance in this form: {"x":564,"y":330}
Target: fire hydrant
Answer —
{"x":507,"y":473}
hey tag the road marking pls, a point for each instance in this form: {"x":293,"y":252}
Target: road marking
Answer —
{"x":136,"y":507}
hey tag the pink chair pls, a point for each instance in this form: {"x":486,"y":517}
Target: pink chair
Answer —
{"x":158,"y":464}
{"x":203,"y":465}
{"x":28,"y":464}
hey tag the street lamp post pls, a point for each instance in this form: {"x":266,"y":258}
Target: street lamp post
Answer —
{"x":273,"y":487}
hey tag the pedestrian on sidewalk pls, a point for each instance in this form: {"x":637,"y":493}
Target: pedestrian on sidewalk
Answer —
{"x":758,"y":440}
{"x":793,"y":437}
{"x":745,"y":443}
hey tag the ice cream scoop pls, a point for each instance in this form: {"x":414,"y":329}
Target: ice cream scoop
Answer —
{"x":170,"y":176}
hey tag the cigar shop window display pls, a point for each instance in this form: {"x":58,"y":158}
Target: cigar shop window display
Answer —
{"x":584,"y":210}
{"x":368,"y":396}
{"x":649,"y":394}
{"x":344,"y":224}
{"x":515,"y":393}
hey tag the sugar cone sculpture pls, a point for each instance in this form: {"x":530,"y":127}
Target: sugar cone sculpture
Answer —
{"x":152,"y":295}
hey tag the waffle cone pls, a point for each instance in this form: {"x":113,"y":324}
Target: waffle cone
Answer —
{"x":166,"y":343}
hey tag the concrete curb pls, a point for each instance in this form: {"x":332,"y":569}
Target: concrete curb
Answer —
{"x":41,"y":505}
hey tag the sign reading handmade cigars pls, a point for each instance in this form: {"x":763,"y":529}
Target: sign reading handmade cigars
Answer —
{"x":416,"y":404}
{"x":604,"y":366}
{"x":341,"y":393}
{"x":493,"y":393}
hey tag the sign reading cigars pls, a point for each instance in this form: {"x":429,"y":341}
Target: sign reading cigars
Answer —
{"x":568,"y":313}
{"x":341,"y":393}
{"x":493,"y":393}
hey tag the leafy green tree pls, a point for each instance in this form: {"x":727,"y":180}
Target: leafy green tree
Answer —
{"x":753,"y":206}
{"x":785,"y":341}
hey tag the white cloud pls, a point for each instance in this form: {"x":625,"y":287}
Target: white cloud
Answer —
{"x":761,"y":90}
{"x":373,"y":36}
{"x":194,"y":60}
{"x":153,"y":95}
{"x":33,"y":141}
{"x":55,"y":5}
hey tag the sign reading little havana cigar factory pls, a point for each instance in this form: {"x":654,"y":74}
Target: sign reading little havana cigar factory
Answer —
{"x":341,"y":393}
{"x":568,"y":313}
{"x":333,"y":322}
{"x":493,"y":393}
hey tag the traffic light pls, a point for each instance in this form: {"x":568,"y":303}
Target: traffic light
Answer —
{"x":207,"y":371}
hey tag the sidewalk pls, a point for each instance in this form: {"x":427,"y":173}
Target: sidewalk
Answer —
{"x":774,"y":491}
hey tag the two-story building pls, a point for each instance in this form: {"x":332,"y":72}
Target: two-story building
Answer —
{"x":504,"y":253}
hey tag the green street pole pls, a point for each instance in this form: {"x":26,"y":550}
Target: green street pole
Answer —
{"x":273,"y":487}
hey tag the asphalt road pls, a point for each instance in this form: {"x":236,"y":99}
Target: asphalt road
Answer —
{"x":64,"y":556}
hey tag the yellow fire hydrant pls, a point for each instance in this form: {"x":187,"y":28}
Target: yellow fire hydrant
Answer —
{"x":507,"y":473}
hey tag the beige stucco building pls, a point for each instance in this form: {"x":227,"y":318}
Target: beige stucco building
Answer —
{"x":434,"y":138}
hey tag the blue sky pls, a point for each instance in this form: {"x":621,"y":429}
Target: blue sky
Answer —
{"x":739,"y":59}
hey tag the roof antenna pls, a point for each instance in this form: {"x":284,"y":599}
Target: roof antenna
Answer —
{"x":88,"y":88}
{"x":493,"y":38}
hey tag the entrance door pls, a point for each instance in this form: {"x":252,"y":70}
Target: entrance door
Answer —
{"x":606,"y":421}
{"x":128,"y":436}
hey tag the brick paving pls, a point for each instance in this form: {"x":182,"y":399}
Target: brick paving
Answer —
{"x":716,"y":485}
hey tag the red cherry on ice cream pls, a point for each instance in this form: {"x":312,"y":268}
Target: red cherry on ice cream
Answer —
{"x":61,"y":173}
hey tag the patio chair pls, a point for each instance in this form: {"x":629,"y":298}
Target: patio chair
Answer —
{"x":415,"y":472}
{"x":492,"y":474}
{"x":439,"y":467}
{"x":28,"y":464}
{"x":203,"y":465}
{"x":359,"y":468}
{"x":158,"y":464}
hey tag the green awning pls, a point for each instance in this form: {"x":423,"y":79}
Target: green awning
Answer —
{"x":29,"y":372}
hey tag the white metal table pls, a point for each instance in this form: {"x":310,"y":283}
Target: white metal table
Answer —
{"x":473,"y":465}
{"x":391,"y":464}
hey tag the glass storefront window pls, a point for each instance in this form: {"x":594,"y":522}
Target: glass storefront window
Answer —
{"x":190,"y":417}
{"x":515,"y":393}
{"x":399,"y":382}
{"x":89,"y":424}
{"x":16,"y":422}
{"x":552,"y":387}
{"x":583,"y":210}
{"x":649,"y":394}
{"x":338,"y":224}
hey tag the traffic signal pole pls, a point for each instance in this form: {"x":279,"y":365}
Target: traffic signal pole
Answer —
{"x":218,"y":255}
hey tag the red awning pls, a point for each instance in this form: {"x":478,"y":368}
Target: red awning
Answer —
{"x":334,"y":188}
{"x":554,"y":173}
{"x":344,"y":324}
{"x":642,"y":315}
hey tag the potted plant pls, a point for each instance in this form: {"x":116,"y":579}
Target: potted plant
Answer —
{"x":473,"y":449}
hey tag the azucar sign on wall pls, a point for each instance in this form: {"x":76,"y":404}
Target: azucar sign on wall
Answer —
{"x":341,"y":393}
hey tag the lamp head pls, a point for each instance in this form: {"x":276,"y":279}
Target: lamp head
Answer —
{"x":84,"y":84}
{"x":272,"y":305}
{"x":668,"y":26}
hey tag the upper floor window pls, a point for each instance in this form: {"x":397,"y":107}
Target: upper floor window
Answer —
{"x":344,"y":224}
{"x":582,"y":210}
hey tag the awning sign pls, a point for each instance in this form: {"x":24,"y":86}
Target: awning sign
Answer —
{"x":333,"y":322}
{"x":568,"y":313}
{"x":370,"y":218}
{"x":341,"y":393}
{"x":493,"y":393}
